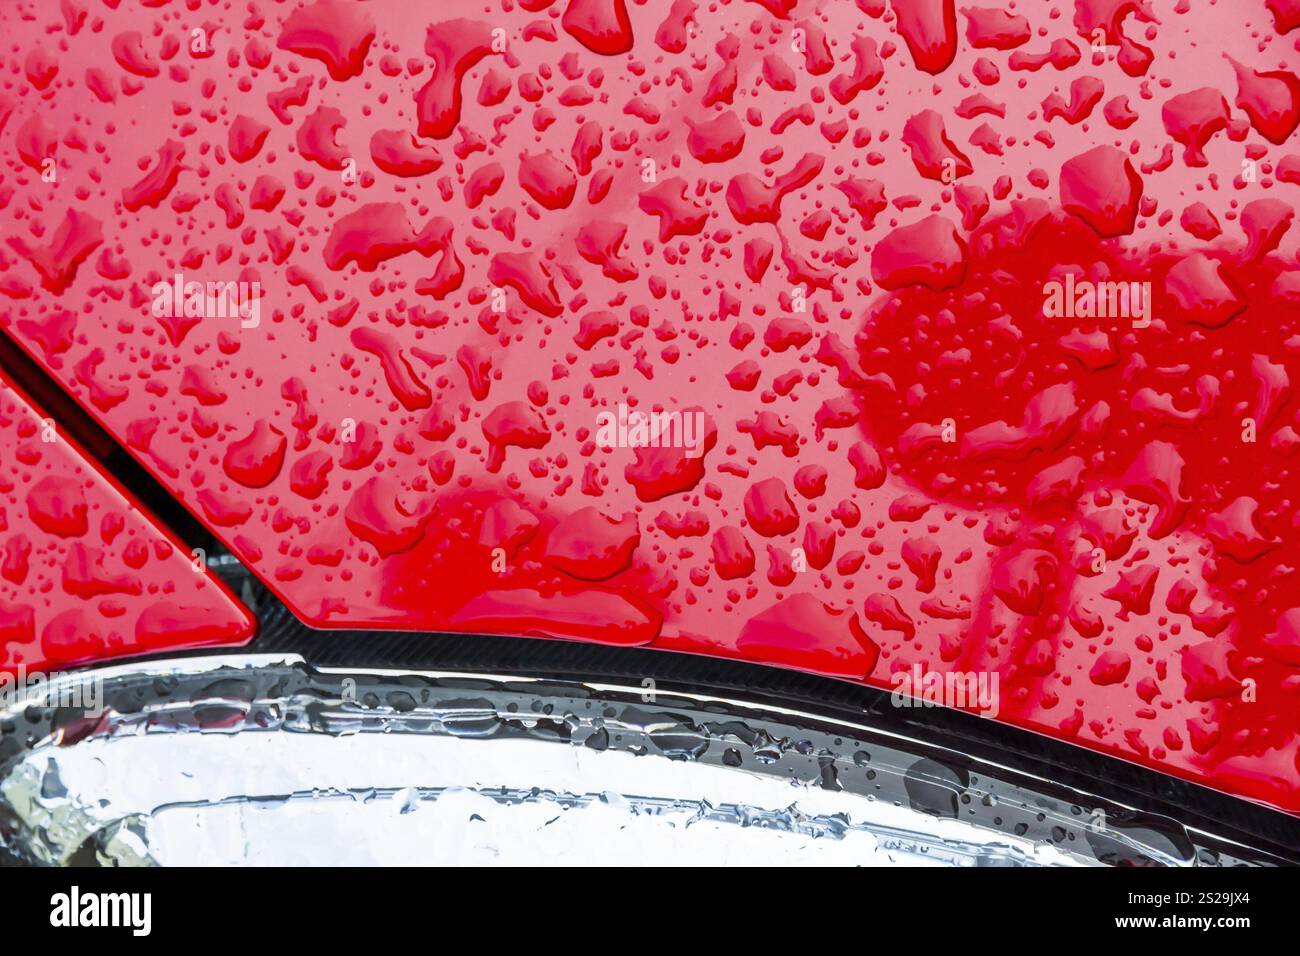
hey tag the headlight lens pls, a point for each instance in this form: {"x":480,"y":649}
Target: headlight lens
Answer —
{"x":261,"y":759}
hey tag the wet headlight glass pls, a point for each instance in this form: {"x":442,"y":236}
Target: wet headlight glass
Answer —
{"x":262,"y":759}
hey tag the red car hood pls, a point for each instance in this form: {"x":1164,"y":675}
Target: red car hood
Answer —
{"x":969,"y":337}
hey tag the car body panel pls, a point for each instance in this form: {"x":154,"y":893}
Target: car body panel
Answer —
{"x":827,"y":228}
{"x":85,"y":573}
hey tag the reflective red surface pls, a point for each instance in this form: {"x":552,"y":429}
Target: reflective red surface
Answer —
{"x":85,"y":574}
{"x":829,"y":228}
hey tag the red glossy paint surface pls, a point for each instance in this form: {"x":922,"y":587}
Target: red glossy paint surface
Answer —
{"x":85,"y":575}
{"x":826,"y":226}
